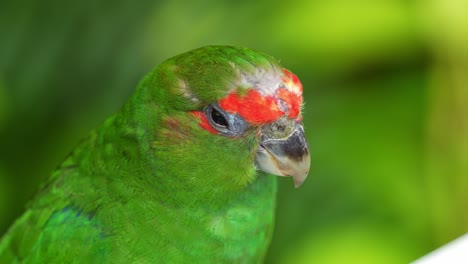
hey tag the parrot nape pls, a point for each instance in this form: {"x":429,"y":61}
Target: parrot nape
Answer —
{"x":180,"y":174}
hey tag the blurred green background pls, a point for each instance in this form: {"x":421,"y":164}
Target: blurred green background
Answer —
{"x":386,"y":91}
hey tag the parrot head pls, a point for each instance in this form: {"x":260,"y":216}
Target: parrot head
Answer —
{"x":225,"y":116}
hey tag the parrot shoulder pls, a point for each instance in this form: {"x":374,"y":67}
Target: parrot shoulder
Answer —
{"x":50,"y":236}
{"x":52,"y":229}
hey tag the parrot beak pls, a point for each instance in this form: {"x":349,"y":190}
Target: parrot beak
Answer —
{"x":283,"y":151}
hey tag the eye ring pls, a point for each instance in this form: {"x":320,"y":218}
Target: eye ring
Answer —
{"x":228,"y":124}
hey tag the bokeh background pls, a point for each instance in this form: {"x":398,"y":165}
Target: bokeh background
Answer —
{"x":386,"y":91}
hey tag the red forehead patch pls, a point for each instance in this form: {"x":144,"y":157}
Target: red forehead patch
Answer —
{"x":291,"y":81}
{"x":252,"y":106}
{"x":256,"y":108}
{"x":292,"y":100}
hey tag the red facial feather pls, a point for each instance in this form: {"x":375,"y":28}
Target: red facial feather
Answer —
{"x":258,"y":109}
{"x":291,"y":80}
{"x":292,"y":100}
{"x":204,"y":122}
{"x":253,"y":107}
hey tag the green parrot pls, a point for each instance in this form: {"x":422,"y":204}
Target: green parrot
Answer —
{"x":182,"y":173}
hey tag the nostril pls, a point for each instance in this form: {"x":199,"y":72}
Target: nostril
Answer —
{"x":280,"y":128}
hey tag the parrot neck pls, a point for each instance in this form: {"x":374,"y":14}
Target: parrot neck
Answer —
{"x":177,"y":184}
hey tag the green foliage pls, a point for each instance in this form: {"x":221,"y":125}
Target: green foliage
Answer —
{"x":3,"y":105}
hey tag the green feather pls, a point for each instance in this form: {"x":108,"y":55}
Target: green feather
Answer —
{"x":150,"y":185}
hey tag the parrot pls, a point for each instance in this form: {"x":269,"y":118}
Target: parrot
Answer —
{"x":183,"y":172}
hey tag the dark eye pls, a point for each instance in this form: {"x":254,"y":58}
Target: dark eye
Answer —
{"x":218,"y":118}
{"x":228,"y":124}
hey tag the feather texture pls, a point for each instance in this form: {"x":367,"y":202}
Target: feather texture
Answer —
{"x":153,"y":184}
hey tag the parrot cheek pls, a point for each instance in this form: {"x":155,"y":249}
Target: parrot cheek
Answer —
{"x":285,"y":157}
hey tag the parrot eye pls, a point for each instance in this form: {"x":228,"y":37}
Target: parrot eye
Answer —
{"x":218,"y":118}
{"x":228,"y":124}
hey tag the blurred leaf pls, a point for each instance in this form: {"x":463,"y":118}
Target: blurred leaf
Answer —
{"x":353,"y":243}
{"x":5,"y":198}
{"x":3,"y":105}
{"x":447,"y":121}
{"x":339,"y":36}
